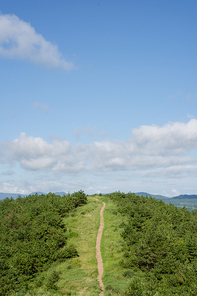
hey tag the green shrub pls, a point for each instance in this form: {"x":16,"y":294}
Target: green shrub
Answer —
{"x":52,"y":280}
{"x":68,"y":252}
{"x":160,"y":246}
{"x":33,"y":236}
{"x":81,"y":197}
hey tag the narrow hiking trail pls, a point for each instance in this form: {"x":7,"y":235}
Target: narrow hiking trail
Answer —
{"x":98,"y":250}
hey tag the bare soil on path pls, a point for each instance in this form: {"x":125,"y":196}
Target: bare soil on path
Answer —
{"x":98,"y":251}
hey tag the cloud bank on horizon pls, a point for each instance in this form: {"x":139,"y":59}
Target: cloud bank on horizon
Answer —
{"x":150,"y":147}
{"x":152,"y":151}
{"x":19,"y":40}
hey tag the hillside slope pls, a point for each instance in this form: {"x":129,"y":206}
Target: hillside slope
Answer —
{"x":160,"y":246}
{"x":148,"y":247}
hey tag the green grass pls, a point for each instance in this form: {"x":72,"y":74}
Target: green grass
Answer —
{"x":111,"y":247}
{"x":78,"y":276}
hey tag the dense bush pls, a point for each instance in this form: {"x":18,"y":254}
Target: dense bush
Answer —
{"x":160,"y":246}
{"x":52,"y":280}
{"x":80,"y":197}
{"x":33,"y":235}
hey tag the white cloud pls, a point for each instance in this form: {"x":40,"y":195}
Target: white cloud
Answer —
{"x":18,"y":39}
{"x":176,"y":171}
{"x":163,"y":149}
{"x":41,"y":106}
{"x":171,"y":139}
{"x":26,"y":187}
{"x":37,"y":154}
{"x":175,"y":192}
{"x":13,"y":188}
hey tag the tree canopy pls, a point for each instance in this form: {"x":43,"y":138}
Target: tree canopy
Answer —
{"x":33,"y":236}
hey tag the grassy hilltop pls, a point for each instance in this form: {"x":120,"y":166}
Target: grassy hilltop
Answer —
{"x":159,"y":248}
{"x":48,"y":246}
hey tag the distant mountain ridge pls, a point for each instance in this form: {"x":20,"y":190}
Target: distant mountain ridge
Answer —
{"x":157,"y":196}
{"x":61,"y":193}
{"x":186,"y":196}
{"x":182,"y":196}
{"x":15,"y":195}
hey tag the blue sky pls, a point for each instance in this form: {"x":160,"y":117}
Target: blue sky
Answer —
{"x":99,"y":96}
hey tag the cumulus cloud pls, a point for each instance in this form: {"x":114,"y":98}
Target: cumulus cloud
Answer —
{"x":12,"y":188}
{"x":176,"y":171}
{"x":26,"y":187}
{"x":18,"y":39}
{"x":171,"y":139}
{"x":150,"y":148}
{"x":34,"y":153}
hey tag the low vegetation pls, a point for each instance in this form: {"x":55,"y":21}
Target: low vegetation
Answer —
{"x":160,"y":246}
{"x":33,"y":236}
{"x":48,"y":246}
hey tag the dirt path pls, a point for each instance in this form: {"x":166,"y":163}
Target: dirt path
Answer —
{"x":98,"y":250}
